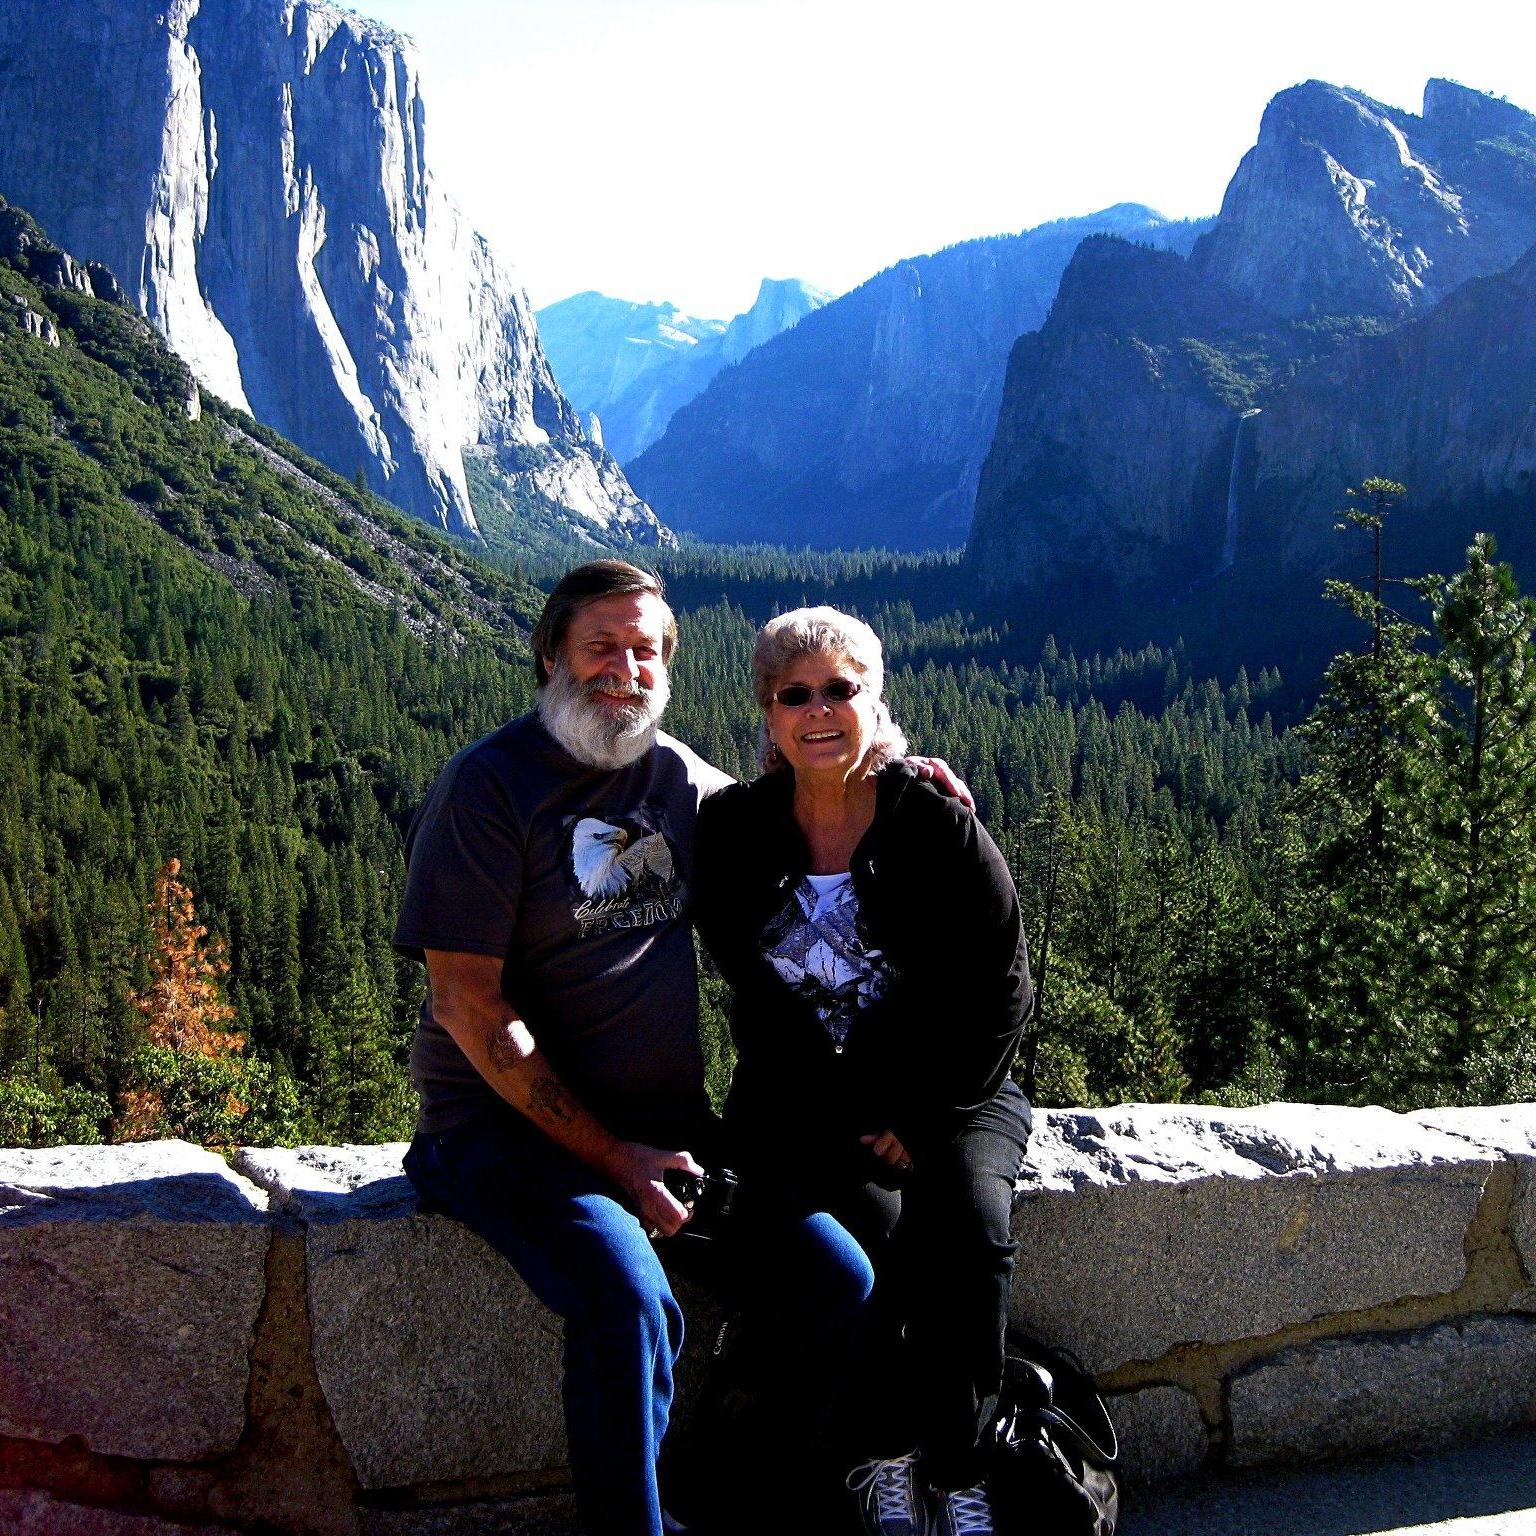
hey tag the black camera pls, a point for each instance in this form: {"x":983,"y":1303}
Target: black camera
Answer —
{"x":709,"y":1197}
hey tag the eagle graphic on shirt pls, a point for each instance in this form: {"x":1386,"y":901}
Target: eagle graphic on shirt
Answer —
{"x":625,"y":874}
{"x":609,"y":860}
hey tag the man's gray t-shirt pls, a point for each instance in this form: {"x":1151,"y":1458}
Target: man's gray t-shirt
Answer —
{"x":577,"y":877}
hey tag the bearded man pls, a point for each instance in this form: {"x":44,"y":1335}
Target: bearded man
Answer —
{"x":557,"y":1052}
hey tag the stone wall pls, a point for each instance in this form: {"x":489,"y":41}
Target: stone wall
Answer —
{"x":289,"y":1345}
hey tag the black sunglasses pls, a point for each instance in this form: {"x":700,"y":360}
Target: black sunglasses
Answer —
{"x":838,"y":691}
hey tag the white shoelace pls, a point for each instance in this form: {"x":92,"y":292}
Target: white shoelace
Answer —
{"x":895,"y":1487}
{"x":970,"y":1511}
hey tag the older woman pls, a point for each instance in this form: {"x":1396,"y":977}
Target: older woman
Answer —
{"x":870,"y":932}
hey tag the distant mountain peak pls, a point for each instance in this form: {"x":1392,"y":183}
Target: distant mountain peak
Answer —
{"x":866,"y":423}
{"x":771,"y":288}
{"x":1137,"y":214}
{"x":634,"y":365}
{"x":781,"y":302}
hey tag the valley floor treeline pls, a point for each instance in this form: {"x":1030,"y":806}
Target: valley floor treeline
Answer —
{"x":227,"y":677}
{"x":1199,"y":929}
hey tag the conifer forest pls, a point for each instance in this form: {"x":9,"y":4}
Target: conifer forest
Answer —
{"x":228,"y":676}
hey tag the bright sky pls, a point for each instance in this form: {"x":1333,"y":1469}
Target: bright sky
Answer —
{"x":683,"y":149}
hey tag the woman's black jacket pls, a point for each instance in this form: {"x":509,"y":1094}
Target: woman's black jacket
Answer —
{"x":936,"y":897}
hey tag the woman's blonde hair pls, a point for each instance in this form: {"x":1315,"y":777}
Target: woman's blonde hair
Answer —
{"x":805,"y":632}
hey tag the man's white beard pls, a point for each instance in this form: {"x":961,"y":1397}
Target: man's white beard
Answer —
{"x":592,"y":733}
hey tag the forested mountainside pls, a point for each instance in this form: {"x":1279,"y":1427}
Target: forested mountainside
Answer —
{"x":635,"y":365}
{"x":260,"y":175}
{"x":866,"y":424}
{"x":214,"y":651}
{"x":229,"y":677}
{"x":1172,"y":443}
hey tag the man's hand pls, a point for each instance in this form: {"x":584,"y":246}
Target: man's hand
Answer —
{"x":943,"y":777}
{"x":637,"y":1170}
{"x":888,"y":1149}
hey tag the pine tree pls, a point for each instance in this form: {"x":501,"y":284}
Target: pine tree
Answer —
{"x":1044,"y":880}
{"x":361,"y":1092}
{"x":15,"y":984}
{"x":183,"y":1005}
{"x":1479,"y":837}
{"x":1359,"y":804}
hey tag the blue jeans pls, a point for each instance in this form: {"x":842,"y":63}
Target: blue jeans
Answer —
{"x":563,"y":1228}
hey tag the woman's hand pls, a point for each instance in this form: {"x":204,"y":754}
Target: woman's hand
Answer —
{"x":888,"y":1149}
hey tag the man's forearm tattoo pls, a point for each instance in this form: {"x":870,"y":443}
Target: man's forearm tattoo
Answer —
{"x":549,"y":1099}
{"x":501,"y":1048}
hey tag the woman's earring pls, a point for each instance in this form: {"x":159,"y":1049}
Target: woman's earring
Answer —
{"x":774,"y":756}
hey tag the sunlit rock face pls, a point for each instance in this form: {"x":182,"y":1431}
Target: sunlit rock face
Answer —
{"x":257,"y":174}
{"x":1347,"y":206}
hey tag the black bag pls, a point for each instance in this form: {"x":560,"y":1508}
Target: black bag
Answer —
{"x":1056,"y":1447}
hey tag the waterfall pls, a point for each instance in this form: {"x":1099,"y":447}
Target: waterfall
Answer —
{"x":1229,"y":541}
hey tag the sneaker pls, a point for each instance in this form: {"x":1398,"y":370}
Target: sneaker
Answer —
{"x":891,"y":1500}
{"x":963,"y":1512}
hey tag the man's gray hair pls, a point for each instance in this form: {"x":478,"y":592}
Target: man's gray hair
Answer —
{"x":804,"y":632}
{"x":587,"y":584}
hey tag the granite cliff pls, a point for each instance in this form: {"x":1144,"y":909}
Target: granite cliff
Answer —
{"x":145,"y":479}
{"x":635,"y":365}
{"x":257,"y":174}
{"x":867,"y":422}
{"x":1127,"y":447}
{"x":1347,"y":206}
{"x":1445,"y":404}
{"x":1109,"y":417}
